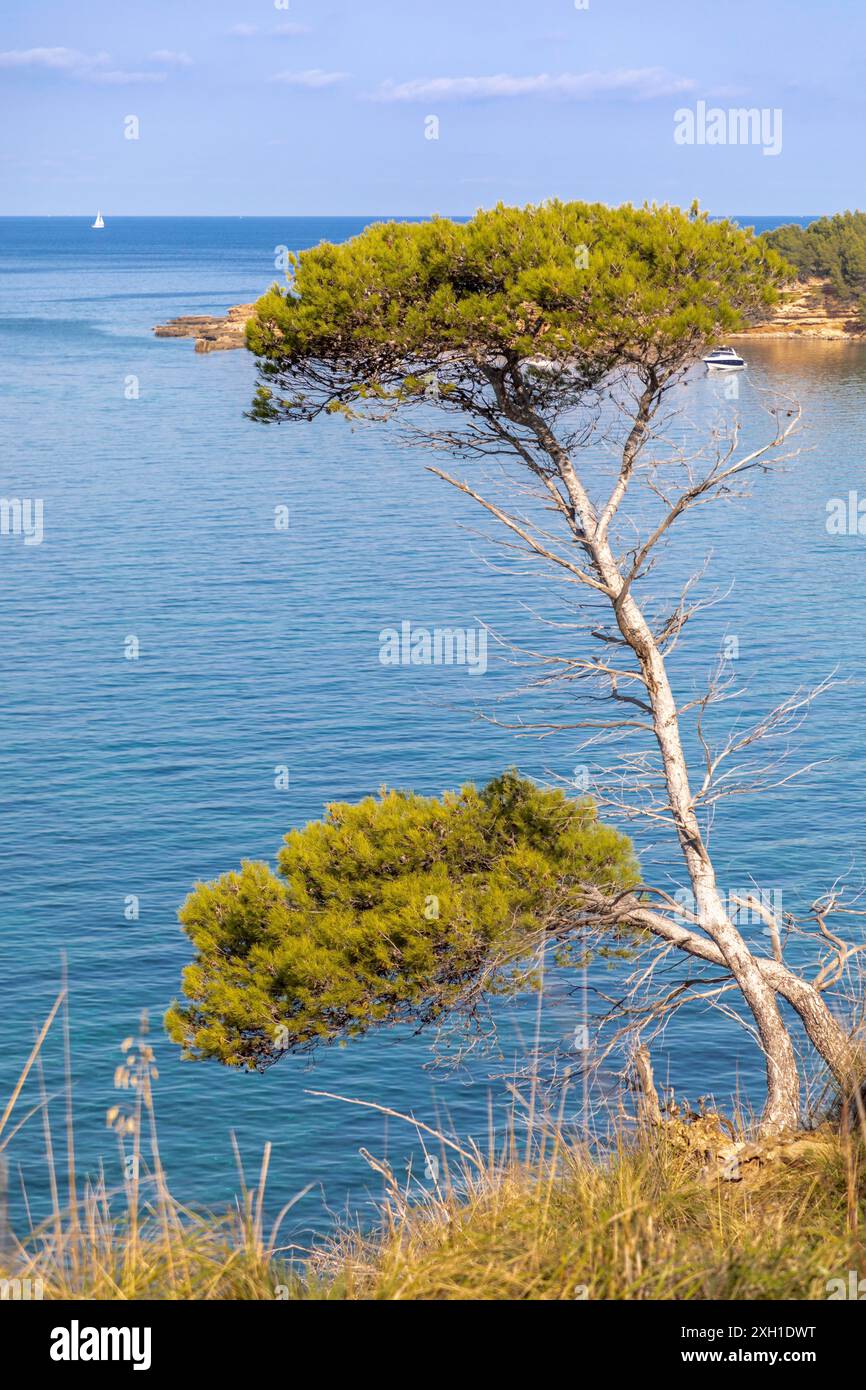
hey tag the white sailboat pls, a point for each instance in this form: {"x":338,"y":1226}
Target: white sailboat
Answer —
{"x":99,"y":222}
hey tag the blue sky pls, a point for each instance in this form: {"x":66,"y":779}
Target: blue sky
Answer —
{"x":321,"y":106}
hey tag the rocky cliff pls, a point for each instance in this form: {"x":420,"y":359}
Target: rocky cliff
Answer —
{"x":808,"y":309}
{"x":211,"y":333}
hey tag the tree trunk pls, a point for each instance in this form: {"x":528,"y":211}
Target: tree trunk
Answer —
{"x":844,"y":1059}
{"x":782,"y":1108}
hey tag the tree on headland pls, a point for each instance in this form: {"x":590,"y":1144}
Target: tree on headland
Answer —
{"x":830,"y":248}
{"x":543,"y":339}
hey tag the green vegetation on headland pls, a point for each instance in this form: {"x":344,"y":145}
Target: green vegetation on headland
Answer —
{"x":832,"y":249}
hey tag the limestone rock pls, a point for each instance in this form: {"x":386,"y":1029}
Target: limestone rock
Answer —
{"x":808,"y":309}
{"x":211,"y":333}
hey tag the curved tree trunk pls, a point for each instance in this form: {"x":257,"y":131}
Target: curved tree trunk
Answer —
{"x":843,"y":1058}
{"x":782,"y":1108}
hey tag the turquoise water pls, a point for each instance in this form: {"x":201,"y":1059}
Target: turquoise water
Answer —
{"x":259,"y":648}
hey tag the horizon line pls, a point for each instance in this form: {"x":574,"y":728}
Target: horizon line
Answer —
{"x":242,"y":216}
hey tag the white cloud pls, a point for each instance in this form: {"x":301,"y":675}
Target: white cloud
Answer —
{"x":312,"y":78}
{"x":641,"y":84}
{"x":116,"y":77}
{"x":171,"y":59}
{"x":60,"y":59}
{"x":85,"y":67}
{"x":288,"y":30}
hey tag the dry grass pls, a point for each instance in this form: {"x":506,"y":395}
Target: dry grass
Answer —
{"x":650,"y":1221}
{"x":136,"y":1241}
{"x":643,"y":1225}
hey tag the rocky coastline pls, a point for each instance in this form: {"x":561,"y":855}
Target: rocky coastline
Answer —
{"x":212,"y":332}
{"x":808,"y":309}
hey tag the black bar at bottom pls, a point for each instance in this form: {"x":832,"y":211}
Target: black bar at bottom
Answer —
{"x":59,"y":1339}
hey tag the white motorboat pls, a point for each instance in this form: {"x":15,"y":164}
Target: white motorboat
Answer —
{"x":99,"y":222}
{"x":726,"y":359}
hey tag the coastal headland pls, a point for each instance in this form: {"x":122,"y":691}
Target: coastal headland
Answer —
{"x":808,"y":309}
{"x":212,"y":332}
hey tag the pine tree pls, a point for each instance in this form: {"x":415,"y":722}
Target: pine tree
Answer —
{"x":399,"y":909}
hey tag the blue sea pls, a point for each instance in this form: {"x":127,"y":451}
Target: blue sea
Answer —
{"x":126,"y":781}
